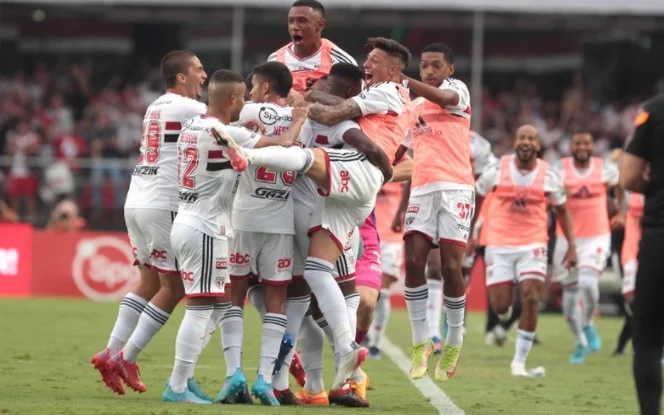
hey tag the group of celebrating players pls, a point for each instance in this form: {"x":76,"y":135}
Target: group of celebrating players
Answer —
{"x":273,"y":200}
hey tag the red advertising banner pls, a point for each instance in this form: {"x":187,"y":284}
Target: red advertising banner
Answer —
{"x":95,"y":265}
{"x":15,"y":260}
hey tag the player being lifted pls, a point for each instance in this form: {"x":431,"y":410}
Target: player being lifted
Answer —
{"x":308,"y":56}
{"x":349,"y":178}
{"x":587,"y":179}
{"x":517,"y":235}
{"x":150,"y":209}
{"x":202,"y":227}
{"x":441,"y":203}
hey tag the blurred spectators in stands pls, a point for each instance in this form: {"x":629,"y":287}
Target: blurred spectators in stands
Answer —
{"x":21,"y":184}
{"x":7,"y":214}
{"x":65,"y":217}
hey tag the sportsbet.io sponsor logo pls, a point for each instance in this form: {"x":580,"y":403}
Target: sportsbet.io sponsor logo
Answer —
{"x":103,"y":268}
{"x":269,"y":116}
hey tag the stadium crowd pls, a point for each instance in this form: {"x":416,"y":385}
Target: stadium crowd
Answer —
{"x":66,"y":131}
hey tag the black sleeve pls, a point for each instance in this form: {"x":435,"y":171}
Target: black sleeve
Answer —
{"x":641,"y":144}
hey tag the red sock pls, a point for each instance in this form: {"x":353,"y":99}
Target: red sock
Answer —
{"x":360,"y":335}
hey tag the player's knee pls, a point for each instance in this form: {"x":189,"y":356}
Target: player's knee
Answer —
{"x":451,"y":271}
{"x":530,"y":294}
{"x":415,"y":262}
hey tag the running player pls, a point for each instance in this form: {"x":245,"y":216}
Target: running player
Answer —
{"x":150,"y":209}
{"x":202,"y":228}
{"x":391,"y":255}
{"x":441,"y":203}
{"x":349,"y":177}
{"x":308,"y":56}
{"x":587,"y":179}
{"x":522,"y":186}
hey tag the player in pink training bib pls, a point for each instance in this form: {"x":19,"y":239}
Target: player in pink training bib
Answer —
{"x":368,"y":276}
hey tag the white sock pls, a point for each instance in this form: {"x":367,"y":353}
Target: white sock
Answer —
{"x":218,"y":311}
{"x":256,"y":295}
{"x":318,"y":274}
{"x":435,"y":307}
{"x":188,"y":344}
{"x":274,"y":327}
{"x":572,"y":313}
{"x":416,"y":301}
{"x":524,"y":342}
{"x":296,"y":308}
{"x":455,"y":308}
{"x":232,"y":331}
{"x":151,"y":321}
{"x":589,"y":287}
{"x":352,"y":304}
{"x":281,"y":158}
{"x":505,"y":317}
{"x":130,"y":311}
{"x":382,"y":316}
{"x":327,"y":330}
{"x":310,"y":343}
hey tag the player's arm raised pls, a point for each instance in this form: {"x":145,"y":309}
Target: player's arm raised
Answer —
{"x":445,"y":97}
{"x":334,"y":114}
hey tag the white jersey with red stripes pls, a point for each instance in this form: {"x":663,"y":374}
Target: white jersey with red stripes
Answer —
{"x":263,"y":202}
{"x":154,"y":181}
{"x":480,"y":153}
{"x":207,"y":182}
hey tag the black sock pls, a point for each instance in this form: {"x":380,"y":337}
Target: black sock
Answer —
{"x":625,"y":335}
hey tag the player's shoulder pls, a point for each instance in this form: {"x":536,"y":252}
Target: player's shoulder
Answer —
{"x":273,"y":56}
{"x":479,"y":143}
{"x":340,"y":55}
{"x":453,"y":83}
{"x":177,"y":106}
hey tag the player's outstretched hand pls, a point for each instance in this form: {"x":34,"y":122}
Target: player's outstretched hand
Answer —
{"x":397,"y":222}
{"x":300,"y":113}
{"x":617,"y":221}
{"x":255,"y":126}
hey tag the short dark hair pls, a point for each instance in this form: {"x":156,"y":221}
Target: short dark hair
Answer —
{"x":391,"y":47}
{"x":440,"y":48}
{"x":247,"y":80}
{"x":347,"y":71}
{"x":314,"y":4}
{"x":277,"y":75}
{"x":173,"y":63}
{"x":226,"y":76}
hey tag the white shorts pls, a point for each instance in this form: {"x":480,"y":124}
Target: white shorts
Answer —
{"x":590,"y":252}
{"x":392,"y":258}
{"x":515,"y":264}
{"x":442,"y":216}
{"x":345,"y":266}
{"x":629,"y":277}
{"x":203,"y":261}
{"x":268,"y":256}
{"x":150,"y":237}
{"x":351,"y":196}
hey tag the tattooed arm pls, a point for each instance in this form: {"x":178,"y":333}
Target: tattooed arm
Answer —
{"x":331,"y":115}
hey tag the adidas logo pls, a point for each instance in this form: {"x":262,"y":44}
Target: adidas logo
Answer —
{"x":583,"y":193}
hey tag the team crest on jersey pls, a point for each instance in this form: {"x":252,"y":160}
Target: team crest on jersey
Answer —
{"x":269,"y":116}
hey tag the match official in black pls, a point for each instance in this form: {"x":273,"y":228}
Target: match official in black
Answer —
{"x":642,"y":171}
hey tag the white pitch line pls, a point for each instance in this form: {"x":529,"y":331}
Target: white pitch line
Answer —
{"x":426,"y":386}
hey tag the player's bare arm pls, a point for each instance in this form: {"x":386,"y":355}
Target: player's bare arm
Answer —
{"x":399,"y":216}
{"x":565,"y":220}
{"x":401,"y":151}
{"x":618,"y":220}
{"x":632,"y":173}
{"x":442,"y":97}
{"x":331,"y":115}
{"x":376,"y":156}
{"x":403,"y":170}
{"x":322,"y":98}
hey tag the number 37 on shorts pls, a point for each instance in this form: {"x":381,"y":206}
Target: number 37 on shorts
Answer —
{"x":442,"y":216}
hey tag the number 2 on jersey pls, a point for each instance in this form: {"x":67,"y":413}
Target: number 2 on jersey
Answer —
{"x":265,"y":175}
{"x":150,"y":143}
{"x":190,"y":158}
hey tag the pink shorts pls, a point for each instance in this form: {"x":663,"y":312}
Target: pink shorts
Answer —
{"x":368,"y":268}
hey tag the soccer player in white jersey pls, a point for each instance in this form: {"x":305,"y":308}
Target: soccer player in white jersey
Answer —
{"x":523,"y":187}
{"x":587,"y":180}
{"x":309,"y":56}
{"x":151,"y":206}
{"x":202,"y":229}
{"x":245,"y":259}
{"x":349,"y":178}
